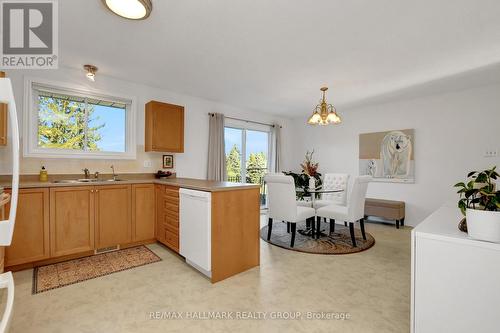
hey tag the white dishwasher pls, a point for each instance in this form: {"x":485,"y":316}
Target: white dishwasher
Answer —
{"x":195,"y":229}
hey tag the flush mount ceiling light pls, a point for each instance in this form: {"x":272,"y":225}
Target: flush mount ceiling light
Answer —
{"x":91,"y":70}
{"x":130,"y":9}
{"x":324,"y":113}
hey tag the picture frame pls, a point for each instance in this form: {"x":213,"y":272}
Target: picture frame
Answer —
{"x":168,"y":161}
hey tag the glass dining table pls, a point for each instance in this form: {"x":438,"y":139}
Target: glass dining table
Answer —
{"x":310,"y":227}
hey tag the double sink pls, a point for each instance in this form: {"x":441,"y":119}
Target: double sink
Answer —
{"x":85,"y":180}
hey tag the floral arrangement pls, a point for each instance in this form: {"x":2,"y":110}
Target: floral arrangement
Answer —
{"x":308,"y":166}
{"x":309,"y":169}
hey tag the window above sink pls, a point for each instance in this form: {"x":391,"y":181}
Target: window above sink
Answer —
{"x":68,"y":122}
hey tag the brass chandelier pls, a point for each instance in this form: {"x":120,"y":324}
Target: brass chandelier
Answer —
{"x":324,"y":114}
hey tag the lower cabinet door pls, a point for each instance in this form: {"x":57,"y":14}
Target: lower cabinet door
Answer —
{"x":143,"y":212}
{"x":113,"y":215}
{"x":31,"y":233}
{"x":71,"y":220}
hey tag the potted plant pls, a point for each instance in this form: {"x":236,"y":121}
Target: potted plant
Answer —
{"x":480,"y":203}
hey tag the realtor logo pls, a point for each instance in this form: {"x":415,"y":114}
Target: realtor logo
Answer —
{"x":29,"y":34}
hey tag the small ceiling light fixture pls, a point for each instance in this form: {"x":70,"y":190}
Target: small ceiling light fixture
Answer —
{"x":324,"y":113}
{"x":91,"y":70}
{"x":130,"y":9}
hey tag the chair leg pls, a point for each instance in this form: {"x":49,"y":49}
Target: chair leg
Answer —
{"x":269,"y":228}
{"x":345,"y":223}
{"x":294,"y":230}
{"x":403,"y":221}
{"x":318,"y":227}
{"x":325,"y":219}
{"x":362,"y":225}
{"x":308,"y":223}
{"x":397,"y":224}
{"x":351,"y":229}
{"x":288,"y":227}
{"x":313,"y":226}
{"x":332,"y":226}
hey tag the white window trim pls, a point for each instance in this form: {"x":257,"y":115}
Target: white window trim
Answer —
{"x":30,"y":123}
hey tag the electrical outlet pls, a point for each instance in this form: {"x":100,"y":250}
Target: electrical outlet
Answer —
{"x":147,"y":164}
{"x":491,"y":153}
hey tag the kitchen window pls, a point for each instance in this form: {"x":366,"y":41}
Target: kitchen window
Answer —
{"x":69,"y":123}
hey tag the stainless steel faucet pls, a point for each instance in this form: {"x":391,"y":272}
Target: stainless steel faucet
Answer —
{"x":114,"y":174}
{"x":86,"y":172}
{"x":96,"y":174}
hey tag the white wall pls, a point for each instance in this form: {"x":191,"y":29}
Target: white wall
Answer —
{"x":452,"y":132}
{"x":191,"y":163}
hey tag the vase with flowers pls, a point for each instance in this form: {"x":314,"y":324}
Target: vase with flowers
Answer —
{"x":309,"y":178}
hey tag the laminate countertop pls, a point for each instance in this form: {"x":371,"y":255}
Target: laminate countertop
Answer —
{"x":31,"y":181}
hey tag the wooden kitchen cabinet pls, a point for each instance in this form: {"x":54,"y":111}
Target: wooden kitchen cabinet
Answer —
{"x":113,"y":215}
{"x":71,"y":220}
{"x":3,"y":120}
{"x":164,"y":127}
{"x":167,"y":218}
{"x":30,"y":241}
{"x":143,"y":212}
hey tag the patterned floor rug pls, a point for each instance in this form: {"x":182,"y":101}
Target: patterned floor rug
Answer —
{"x":77,"y":270}
{"x":338,"y":242}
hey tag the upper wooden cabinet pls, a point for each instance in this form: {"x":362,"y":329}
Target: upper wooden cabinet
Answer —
{"x":3,"y":120}
{"x":164,"y":127}
{"x":31,"y":234}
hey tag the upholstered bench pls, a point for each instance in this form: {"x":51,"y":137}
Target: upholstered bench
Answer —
{"x":387,"y":209}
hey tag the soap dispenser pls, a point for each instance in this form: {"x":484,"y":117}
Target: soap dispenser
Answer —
{"x":43,"y":175}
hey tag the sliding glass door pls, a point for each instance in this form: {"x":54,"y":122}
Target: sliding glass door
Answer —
{"x":247,"y":156}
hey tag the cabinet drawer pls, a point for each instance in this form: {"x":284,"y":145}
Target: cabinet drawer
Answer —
{"x":172,"y":222}
{"x":171,"y":214}
{"x":172,"y":192}
{"x":172,"y":239}
{"x":171,"y":200}
{"x":171,"y":225}
{"x":170,"y":207}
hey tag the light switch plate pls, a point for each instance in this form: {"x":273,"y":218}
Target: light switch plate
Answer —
{"x":147,"y":164}
{"x":491,"y":153}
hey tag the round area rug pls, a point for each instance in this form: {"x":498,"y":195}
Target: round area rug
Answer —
{"x":338,"y":242}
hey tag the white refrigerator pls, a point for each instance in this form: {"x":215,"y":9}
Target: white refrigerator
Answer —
{"x":7,"y":226}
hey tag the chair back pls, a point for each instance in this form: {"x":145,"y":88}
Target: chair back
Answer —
{"x":335,"y":181}
{"x":281,"y":197}
{"x":356,"y":202}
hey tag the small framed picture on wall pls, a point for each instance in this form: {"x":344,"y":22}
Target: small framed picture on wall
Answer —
{"x":168,"y":161}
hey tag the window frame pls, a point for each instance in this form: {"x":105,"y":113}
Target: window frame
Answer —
{"x":30,"y":125}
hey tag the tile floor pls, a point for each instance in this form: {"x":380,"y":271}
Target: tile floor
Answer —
{"x":373,"y":287}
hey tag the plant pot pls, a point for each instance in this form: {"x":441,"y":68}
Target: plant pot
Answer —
{"x":483,"y":225}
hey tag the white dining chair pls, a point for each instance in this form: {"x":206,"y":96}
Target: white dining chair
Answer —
{"x":330,"y":181}
{"x":353,"y":212}
{"x":282,"y":206}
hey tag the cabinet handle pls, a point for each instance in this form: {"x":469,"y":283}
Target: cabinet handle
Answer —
{"x":91,"y":191}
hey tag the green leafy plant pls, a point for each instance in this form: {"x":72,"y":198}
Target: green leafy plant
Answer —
{"x":478,"y":192}
{"x":302,"y":181}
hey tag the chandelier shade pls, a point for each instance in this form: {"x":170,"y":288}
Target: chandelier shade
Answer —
{"x":324,"y":113}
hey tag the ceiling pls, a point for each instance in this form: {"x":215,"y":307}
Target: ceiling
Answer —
{"x":273,"y":56}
